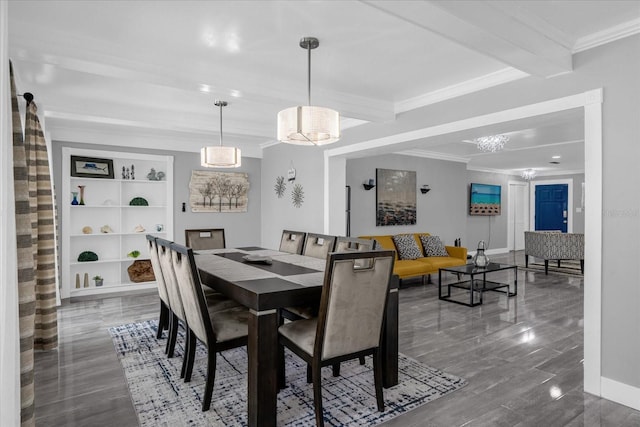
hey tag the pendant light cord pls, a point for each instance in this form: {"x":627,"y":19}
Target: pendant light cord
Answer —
{"x":309,"y":73}
{"x":221,"y":104}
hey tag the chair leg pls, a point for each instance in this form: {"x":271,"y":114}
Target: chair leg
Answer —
{"x":336,"y":369}
{"x":163,"y":321}
{"x":526,"y":260}
{"x":309,"y":375}
{"x":173,"y":336}
{"x":211,"y":378}
{"x":582,"y":266}
{"x":190,"y":356}
{"x":362,"y":362}
{"x":546,"y":266}
{"x":558,"y":263}
{"x":185,"y":356}
{"x":317,"y":394}
{"x":282,"y":381}
{"x":377,"y":379}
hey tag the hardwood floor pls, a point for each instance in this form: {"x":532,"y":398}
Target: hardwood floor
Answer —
{"x":522,"y":357}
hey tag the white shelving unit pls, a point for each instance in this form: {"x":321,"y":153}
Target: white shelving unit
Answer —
{"x":107,"y":203}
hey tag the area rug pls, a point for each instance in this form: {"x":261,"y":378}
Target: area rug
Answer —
{"x":161,"y":398}
{"x":567,"y":268}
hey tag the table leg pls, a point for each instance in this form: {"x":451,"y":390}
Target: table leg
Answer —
{"x":515,"y":281}
{"x":471,"y":291}
{"x":390,"y":340}
{"x":263,"y":367}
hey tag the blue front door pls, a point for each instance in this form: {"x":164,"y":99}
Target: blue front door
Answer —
{"x":552,"y":207}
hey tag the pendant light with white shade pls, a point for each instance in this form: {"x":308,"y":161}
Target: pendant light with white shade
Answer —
{"x":220,"y":156}
{"x":308,"y":125}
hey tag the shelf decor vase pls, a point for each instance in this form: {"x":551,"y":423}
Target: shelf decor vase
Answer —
{"x":74,"y":202}
{"x":81,"y":187}
{"x":480,"y":259}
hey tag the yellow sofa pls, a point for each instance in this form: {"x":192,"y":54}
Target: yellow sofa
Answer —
{"x":421,"y":266}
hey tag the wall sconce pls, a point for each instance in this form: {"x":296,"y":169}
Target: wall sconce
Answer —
{"x":425,"y":189}
{"x":369,"y":184}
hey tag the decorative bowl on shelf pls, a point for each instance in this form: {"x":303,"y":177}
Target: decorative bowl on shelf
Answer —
{"x":87,"y":256}
{"x":138,"y":201}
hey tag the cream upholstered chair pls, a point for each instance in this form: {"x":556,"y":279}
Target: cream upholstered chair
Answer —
{"x":217,"y":330}
{"x":292,"y":241}
{"x":205,"y":238}
{"x":318,"y":245}
{"x":165,"y":306}
{"x":346,"y":244}
{"x":349,"y":325}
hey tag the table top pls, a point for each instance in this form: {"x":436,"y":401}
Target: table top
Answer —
{"x":289,"y":279}
{"x":472,"y":269}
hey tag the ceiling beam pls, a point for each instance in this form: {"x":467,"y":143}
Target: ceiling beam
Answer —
{"x":503,"y":33}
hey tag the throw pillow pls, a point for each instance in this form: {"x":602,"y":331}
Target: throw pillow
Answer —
{"x":433,"y":246}
{"x":407,"y":246}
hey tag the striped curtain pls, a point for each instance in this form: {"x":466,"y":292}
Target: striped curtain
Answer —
{"x":35,"y":247}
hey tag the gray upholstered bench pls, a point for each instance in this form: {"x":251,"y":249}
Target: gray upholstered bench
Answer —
{"x":554,"y":245}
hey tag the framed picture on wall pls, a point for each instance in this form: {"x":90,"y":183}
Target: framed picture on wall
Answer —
{"x":395,"y":197}
{"x":90,"y":167}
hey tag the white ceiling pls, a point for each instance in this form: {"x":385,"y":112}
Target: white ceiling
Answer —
{"x":154,"y":69}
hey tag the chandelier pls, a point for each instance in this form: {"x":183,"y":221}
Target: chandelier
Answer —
{"x":529,"y":174}
{"x":491,"y":143}
{"x":308,"y":125}
{"x":220,"y":156}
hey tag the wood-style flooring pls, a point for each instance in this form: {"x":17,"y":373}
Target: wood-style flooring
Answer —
{"x":522,"y":357}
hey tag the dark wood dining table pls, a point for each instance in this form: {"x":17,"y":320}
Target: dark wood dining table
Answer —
{"x":289,"y":280}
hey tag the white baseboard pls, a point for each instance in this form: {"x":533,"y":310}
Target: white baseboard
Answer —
{"x":621,"y":393}
{"x":491,"y":251}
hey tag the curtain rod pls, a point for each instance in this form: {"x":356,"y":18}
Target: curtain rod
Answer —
{"x":28,"y":96}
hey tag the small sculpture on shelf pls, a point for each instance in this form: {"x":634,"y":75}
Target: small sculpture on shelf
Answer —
{"x":155,"y":176}
{"x":124,"y":173}
{"x":139,"y":229}
{"x":133,"y":254}
{"x":106,"y":229}
{"x":99,"y":280}
{"x":133,"y":173}
{"x":74,"y":194}
{"x":87,"y":230}
{"x":81,"y":187}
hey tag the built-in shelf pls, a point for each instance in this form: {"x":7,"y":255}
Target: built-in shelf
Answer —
{"x":107,"y":203}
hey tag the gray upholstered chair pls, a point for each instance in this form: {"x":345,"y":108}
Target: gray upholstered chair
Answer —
{"x":318,"y":245}
{"x":349,"y":324}
{"x":217,"y":330}
{"x":346,"y":244}
{"x":205,"y":238}
{"x":163,"y":320}
{"x":292,"y":241}
{"x":554,"y":245}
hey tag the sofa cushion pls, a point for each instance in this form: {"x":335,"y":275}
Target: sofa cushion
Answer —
{"x":434,"y":263}
{"x":433,"y":246}
{"x":409,"y":268}
{"x":407,"y":246}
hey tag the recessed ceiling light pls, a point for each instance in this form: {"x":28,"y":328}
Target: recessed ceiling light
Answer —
{"x":555,"y":157}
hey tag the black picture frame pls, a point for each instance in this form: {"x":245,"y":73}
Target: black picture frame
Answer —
{"x":91,"y":167}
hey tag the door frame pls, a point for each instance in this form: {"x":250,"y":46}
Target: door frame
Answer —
{"x":532,"y":201}
{"x":525,"y":209}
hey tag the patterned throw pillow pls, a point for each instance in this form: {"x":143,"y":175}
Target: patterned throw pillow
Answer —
{"x":433,"y":246}
{"x":407,"y":246}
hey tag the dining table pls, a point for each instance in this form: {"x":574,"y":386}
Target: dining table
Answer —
{"x":264,"y":281}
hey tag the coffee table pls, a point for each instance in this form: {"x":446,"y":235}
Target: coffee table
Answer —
{"x":477,"y":286}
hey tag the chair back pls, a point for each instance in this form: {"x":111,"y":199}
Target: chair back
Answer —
{"x":205,"y":238}
{"x":318,"y":245}
{"x":166,"y":266}
{"x":193,"y":300}
{"x":347,"y":244}
{"x":157,"y":270}
{"x":292,"y":241}
{"x":353,"y":303}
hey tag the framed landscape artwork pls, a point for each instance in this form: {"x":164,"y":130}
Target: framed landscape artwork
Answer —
{"x":218,"y":191}
{"x":484,"y":199}
{"x":395,"y":197}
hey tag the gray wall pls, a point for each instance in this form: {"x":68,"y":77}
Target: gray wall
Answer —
{"x":441,"y":212}
{"x":615,"y":67}
{"x":491,"y":229}
{"x":279,"y":213}
{"x":241,"y":229}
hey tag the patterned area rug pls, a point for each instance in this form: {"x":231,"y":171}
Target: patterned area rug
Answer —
{"x":567,"y":268}
{"x":161,"y":398}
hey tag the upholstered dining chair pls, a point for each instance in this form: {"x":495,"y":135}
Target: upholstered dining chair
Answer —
{"x":205,"y":238}
{"x":165,"y":306}
{"x":217,"y":330}
{"x":292,"y":241}
{"x":318,"y":245}
{"x":349,"y":324}
{"x":346,"y":244}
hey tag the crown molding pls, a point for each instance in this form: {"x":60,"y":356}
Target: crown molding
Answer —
{"x":490,"y":170}
{"x":609,"y":35}
{"x":496,"y":78}
{"x":433,"y":155}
